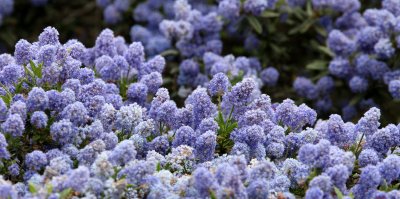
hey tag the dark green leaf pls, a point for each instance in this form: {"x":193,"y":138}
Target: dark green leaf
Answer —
{"x":338,"y":193}
{"x":317,"y":65}
{"x":49,"y":188}
{"x":326,"y":50}
{"x":355,"y":99}
{"x":212,"y":195}
{"x":269,"y":14}
{"x":32,"y":188}
{"x":169,"y":52}
{"x":159,"y":167}
{"x":255,"y":24}
{"x":309,"y":9}
{"x":303,"y":27}
{"x":66,"y":193}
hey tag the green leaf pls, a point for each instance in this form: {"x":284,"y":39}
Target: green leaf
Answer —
{"x":159,"y":167}
{"x":38,"y":71}
{"x":169,"y":52}
{"x":351,"y":195}
{"x":384,"y":186}
{"x":326,"y":50}
{"x":66,"y":193}
{"x":317,"y":65}
{"x":355,"y":99}
{"x":309,"y":9}
{"x":212,"y":195}
{"x":255,"y":24}
{"x":269,"y":14}
{"x":303,"y":27}
{"x":6,"y":99}
{"x":32,"y":188}
{"x":49,"y":188}
{"x":339,"y":194}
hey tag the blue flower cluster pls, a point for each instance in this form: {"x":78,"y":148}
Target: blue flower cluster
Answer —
{"x":90,"y":122}
{"x":6,"y":8}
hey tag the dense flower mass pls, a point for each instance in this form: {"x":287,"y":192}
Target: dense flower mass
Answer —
{"x":189,"y":108}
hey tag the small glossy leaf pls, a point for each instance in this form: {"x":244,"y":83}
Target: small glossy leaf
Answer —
{"x":66,"y":193}
{"x":338,"y":193}
{"x":255,"y":24}
{"x":32,"y":188}
{"x":317,"y":65}
{"x":269,"y":14}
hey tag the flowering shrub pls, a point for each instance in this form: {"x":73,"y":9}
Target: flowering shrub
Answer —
{"x":208,"y":101}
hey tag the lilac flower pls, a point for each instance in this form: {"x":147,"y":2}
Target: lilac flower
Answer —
{"x":49,"y":36}
{"x":35,"y":160}
{"x":339,"y":175}
{"x":390,"y":168}
{"x":384,"y":138}
{"x":76,"y":113}
{"x":156,"y":64}
{"x":18,"y":107}
{"x":77,"y":178}
{"x":184,"y":136}
{"x":218,"y":85}
{"x":137,"y":92}
{"x":370,"y":177}
{"x":135,"y":55}
{"x":369,"y":124}
{"x":340,"y":67}
{"x":153,"y":81}
{"x":338,"y":132}
{"x":304,"y":87}
{"x":160,"y":144}
{"x":128,"y":117}
{"x":166,"y":111}
{"x":14,"y":125}
{"x":230,"y":9}
{"x":123,"y":153}
{"x":394,"y":89}
{"x":358,"y":84}
{"x":94,"y":131}
{"x":23,"y":52}
{"x":11,"y":74}
{"x":205,"y":146}
{"x":63,"y":131}
{"x":340,"y":44}
{"x":112,"y":15}
{"x":368,"y":37}
{"x":37,"y":100}
{"x":269,"y":76}
{"x":202,"y":105}
{"x":256,"y":7}
{"x":204,"y":181}
{"x":384,"y":49}
{"x":47,"y":55}
{"x":3,"y":147}
{"x":314,"y":193}
{"x":208,"y":124}
{"x":367,"y":157}
{"x":392,"y":6}
{"x":258,"y":189}
{"x":14,"y":169}
{"x":105,"y":44}
{"x":323,"y":182}
{"x":107,"y":116}
{"x":94,"y":105}
{"x":39,"y":119}
{"x":241,"y":92}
